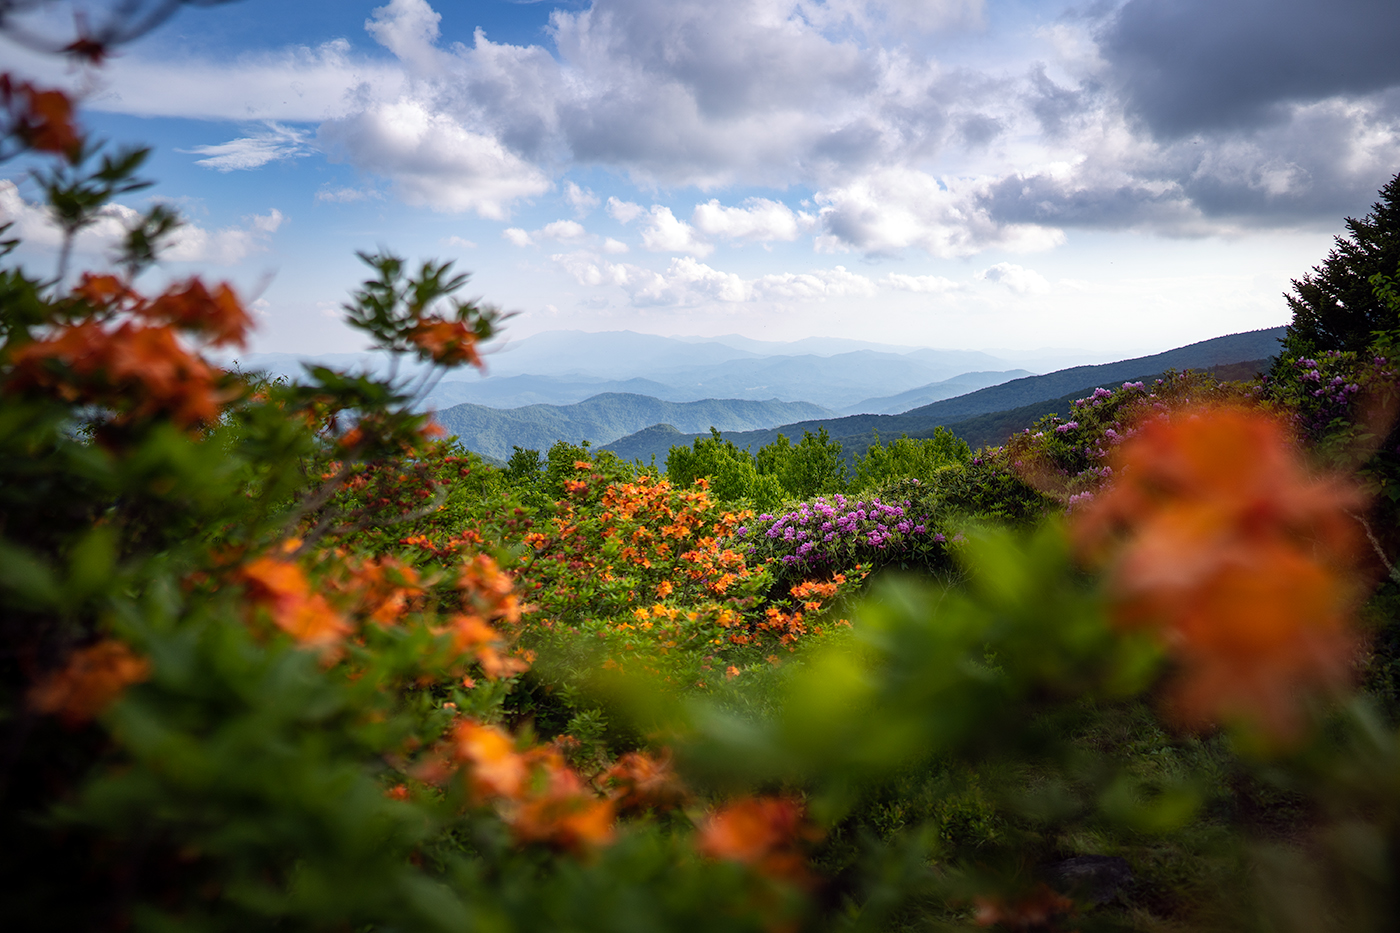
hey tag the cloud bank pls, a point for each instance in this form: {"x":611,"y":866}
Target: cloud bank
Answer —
{"x":1172,"y":117}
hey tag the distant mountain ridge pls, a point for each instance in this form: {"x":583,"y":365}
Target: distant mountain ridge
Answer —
{"x":933,"y":392}
{"x":566,"y":367}
{"x":607,"y":417}
{"x":856,"y":432}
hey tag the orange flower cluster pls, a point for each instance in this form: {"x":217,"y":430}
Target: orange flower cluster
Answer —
{"x":763,"y":832}
{"x":488,"y":597}
{"x":41,"y":120}
{"x":639,"y":783}
{"x":540,"y":797}
{"x":1241,"y":561}
{"x":280,"y":587}
{"x":382,"y":588}
{"x":381,"y":591}
{"x":447,"y":343}
{"x":91,"y":680}
{"x":789,"y":625}
{"x":136,"y":366}
{"x":642,"y":515}
{"x":453,"y":544}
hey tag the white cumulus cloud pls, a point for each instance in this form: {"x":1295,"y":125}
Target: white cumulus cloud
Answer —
{"x":689,"y":282}
{"x":189,"y":243}
{"x":434,"y":160}
{"x":624,"y":212}
{"x":664,"y":233}
{"x":582,"y":200}
{"x":1020,"y":280}
{"x":758,"y":219}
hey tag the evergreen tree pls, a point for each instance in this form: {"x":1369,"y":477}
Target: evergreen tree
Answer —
{"x":1335,"y":307}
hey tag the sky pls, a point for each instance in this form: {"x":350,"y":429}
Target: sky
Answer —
{"x":1012,"y":175}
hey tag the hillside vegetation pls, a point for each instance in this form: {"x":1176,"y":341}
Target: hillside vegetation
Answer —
{"x":856,"y":432}
{"x":493,"y":432}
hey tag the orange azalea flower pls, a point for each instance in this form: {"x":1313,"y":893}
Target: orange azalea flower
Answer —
{"x":497,"y":769}
{"x":640,"y":782}
{"x":383,"y":588}
{"x":42,"y":119}
{"x":562,"y":813}
{"x":763,"y":832}
{"x":91,"y":680}
{"x":219,"y":316}
{"x":282,"y":588}
{"x":103,"y":291}
{"x":142,"y":371}
{"x":448,"y":343}
{"x":1222,"y":542}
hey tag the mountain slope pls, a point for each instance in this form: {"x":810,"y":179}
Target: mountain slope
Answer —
{"x":933,"y":392}
{"x":607,"y":417}
{"x":856,"y":432}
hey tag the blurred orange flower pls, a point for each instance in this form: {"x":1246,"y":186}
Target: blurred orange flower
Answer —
{"x":640,"y":782}
{"x":41,"y":119}
{"x":1220,"y":540}
{"x":448,"y":343}
{"x":282,"y":588}
{"x":764,"y":832}
{"x":496,"y":768}
{"x":93,"y":677}
{"x":562,"y":812}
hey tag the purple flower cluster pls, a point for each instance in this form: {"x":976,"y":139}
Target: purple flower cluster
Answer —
{"x":1095,"y":400}
{"x":838,"y":531}
{"x":1333,"y":381}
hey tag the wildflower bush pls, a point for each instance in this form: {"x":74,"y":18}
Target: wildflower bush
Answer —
{"x":276,"y":657}
{"x":826,"y":535}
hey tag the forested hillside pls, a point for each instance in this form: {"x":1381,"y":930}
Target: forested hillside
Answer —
{"x":493,"y":432}
{"x":856,"y":432}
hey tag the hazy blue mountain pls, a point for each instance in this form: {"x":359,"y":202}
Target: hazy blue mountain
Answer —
{"x":609,"y":355}
{"x":603,"y":418}
{"x":807,"y":346}
{"x":517,"y":391}
{"x":835,"y":381}
{"x":933,"y":392}
{"x":832,"y":381}
{"x":856,"y":432}
{"x":565,"y":367}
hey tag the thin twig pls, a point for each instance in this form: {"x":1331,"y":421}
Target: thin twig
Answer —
{"x":1376,"y":545}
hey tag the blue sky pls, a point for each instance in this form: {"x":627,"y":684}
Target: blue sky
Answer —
{"x":1117,"y":176}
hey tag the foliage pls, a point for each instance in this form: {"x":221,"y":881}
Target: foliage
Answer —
{"x":827,"y":535}
{"x":905,"y":458}
{"x":732,"y":473}
{"x":814,"y":466}
{"x":1335,"y":307}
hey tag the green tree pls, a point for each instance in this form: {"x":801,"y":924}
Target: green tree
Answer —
{"x":815,"y":466}
{"x":1336,"y":306}
{"x":732,"y":473}
{"x":909,"y":458}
